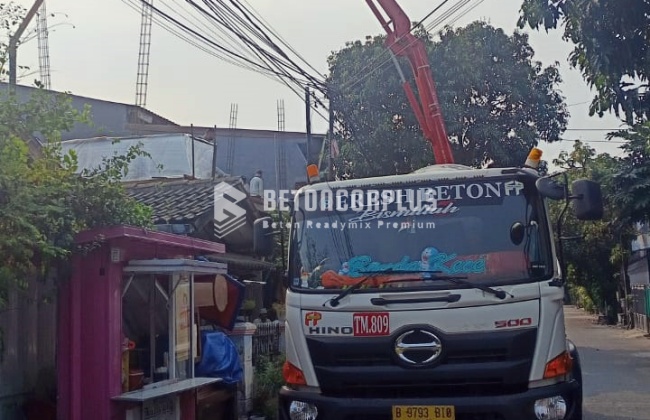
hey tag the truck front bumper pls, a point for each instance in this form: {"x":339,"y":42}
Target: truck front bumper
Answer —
{"x":504,"y":407}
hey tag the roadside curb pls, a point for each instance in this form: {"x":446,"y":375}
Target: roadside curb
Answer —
{"x":594,"y":320}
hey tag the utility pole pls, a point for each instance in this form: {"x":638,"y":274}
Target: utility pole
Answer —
{"x":330,"y":134}
{"x":308,"y":121}
{"x":13,"y":43}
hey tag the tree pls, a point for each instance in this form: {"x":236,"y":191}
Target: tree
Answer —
{"x":496,"y":101}
{"x":11,"y":15}
{"x":593,"y":262}
{"x":632,"y":178}
{"x":44,"y":201}
{"x":612,"y":43}
{"x":611,"y":48}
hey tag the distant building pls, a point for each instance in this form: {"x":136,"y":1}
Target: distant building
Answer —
{"x":108,"y":118}
{"x":281,"y":155}
{"x":170,"y":155}
{"x":639,"y":264}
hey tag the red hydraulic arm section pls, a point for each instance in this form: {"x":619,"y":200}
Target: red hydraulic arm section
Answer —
{"x":403,"y":43}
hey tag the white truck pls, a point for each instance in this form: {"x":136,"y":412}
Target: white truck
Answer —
{"x":436,"y":295}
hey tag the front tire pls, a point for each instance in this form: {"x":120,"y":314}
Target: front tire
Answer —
{"x":577,"y":375}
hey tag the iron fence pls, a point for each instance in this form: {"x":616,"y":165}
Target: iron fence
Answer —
{"x":641,"y":307}
{"x":266,"y":340}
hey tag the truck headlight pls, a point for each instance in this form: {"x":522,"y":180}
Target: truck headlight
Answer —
{"x":299,"y":410}
{"x":553,"y":408}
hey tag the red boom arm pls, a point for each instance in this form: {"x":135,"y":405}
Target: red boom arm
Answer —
{"x":403,"y":43}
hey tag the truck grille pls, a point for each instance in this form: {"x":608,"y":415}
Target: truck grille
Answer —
{"x":491,"y":363}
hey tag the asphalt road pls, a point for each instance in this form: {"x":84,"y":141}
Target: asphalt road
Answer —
{"x":615,"y":368}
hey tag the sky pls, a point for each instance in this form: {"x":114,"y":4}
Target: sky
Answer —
{"x":94,"y":44}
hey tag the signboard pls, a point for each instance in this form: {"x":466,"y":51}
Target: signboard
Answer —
{"x":182,"y":318}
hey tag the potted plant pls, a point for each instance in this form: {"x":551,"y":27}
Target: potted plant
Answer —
{"x":267,"y":384}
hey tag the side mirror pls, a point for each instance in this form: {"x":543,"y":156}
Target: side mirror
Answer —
{"x":517,"y":232}
{"x":550,"y":188}
{"x":587,"y":200}
{"x":263,"y":236}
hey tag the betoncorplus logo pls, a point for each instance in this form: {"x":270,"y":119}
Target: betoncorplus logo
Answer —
{"x":228,"y":215}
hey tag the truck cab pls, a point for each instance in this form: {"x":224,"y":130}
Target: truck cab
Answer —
{"x":432,"y":295}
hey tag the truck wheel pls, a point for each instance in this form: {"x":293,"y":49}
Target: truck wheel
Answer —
{"x":577,"y":374}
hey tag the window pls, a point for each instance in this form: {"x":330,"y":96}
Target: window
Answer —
{"x":468,"y":235}
{"x":157,"y":320}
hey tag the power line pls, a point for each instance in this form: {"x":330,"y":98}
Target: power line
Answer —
{"x":579,"y":103}
{"x":282,"y":40}
{"x":594,"y":141}
{"x":209,"y":41}
{"x":596,"y":129}
{"x":268,"y":64}
{"x":163,"y":24}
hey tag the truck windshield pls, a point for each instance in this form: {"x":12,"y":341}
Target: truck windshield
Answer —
{"x":489,"y":232}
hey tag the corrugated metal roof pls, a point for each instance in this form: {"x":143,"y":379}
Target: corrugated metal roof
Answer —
{"x":178,"y":201}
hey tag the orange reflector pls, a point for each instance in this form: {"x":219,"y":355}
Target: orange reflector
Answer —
{"x":292,"y":375}
{"x":560,"y":365}
{"x":312,"y":173}
{"x":532,"y":161}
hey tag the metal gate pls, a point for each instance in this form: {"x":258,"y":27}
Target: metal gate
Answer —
{"x":641,"y":307}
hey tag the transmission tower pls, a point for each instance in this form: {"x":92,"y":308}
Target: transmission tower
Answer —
{"x":280,"y":150}
{"x":280,"y":115}
{"x":230,"y":159}
{"x":143,"y":56}
{"x":43,"y":48}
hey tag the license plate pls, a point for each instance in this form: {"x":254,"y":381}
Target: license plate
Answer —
{"x":424,"y":412}
{"x":369,"y":324}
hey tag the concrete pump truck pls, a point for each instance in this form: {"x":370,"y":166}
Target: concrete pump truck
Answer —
{"x":435,"y":295}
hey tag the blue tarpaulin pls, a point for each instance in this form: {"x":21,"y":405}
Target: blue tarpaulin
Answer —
{"x":219,"y":358}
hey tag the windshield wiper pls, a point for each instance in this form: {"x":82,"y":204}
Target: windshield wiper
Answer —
{"x":334,"y":302}
{"x":460,"y":280}
{"x":501,"y":294}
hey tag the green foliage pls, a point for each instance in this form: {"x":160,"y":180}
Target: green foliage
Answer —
{"x":611,"y":46}
{"x":581,"y":298}
{"x":44,"y":202}
{"x":11,"y":14}
{"x":282,"y":220}
{"x":496,"y":101}
{"x":591,"y":270}
{"x":268,"y":381}
{"x":631,"y":182}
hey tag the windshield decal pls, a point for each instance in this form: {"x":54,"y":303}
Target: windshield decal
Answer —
{"x":431,"y":260}
{"x":439,"y":200}
{"x":431,"y":209}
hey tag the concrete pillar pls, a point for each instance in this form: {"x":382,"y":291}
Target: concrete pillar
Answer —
{"x":242,"y":336}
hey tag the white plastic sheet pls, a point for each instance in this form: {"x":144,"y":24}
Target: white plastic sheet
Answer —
{"x":173,"y":152}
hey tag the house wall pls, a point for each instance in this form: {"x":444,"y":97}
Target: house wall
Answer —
{"x":28,"y":325}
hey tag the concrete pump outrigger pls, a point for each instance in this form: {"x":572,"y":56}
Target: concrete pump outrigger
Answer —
{"x":435,"y":295}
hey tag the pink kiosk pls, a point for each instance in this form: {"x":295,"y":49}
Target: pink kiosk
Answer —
{"x":128,"y":325}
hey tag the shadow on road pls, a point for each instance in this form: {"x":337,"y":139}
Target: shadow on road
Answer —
{"x":615,"y":369}
{"x":615,"y":384}
{"x":595,"y":416}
